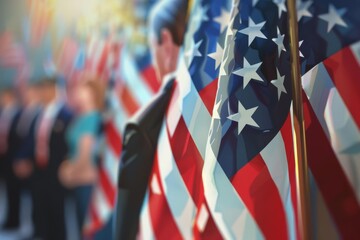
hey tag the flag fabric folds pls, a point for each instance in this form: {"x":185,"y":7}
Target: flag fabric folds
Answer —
{"x":238,"y":182}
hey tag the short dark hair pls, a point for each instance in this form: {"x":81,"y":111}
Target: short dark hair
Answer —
{"x":170,"y":15}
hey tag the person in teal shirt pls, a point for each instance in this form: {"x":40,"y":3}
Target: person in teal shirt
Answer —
{"x":79,"y":171}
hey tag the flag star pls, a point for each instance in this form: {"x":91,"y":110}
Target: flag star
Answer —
{"x":249,"y":72}
{"x":279,"y":83}
{"x":303,"y":9}
{"x":202,"y":13}
{"x":244,"y":117}
{"x":300,"y":53}
{"x":223,"y":19}
{"x":333,"y":17}
{"x":279,"y":40}
{"x":193,"y":52}
{"x":254,"y":2}
{"x":253,"y":31}
{"x":281,"y":6}
{"x":217,"y":56}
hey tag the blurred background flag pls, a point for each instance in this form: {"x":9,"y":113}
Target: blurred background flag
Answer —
{"x":132,"y":83}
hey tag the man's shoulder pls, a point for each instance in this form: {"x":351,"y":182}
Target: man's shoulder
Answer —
{"x":152,"y":114}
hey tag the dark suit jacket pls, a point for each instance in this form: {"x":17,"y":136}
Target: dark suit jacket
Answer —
{"x":13,"y":141}
{"x":57,"y":147}
{"x":140,"y":142}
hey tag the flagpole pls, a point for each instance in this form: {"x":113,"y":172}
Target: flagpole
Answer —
{"x":301,"y":165}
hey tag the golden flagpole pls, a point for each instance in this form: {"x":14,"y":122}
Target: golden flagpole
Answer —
{"x":301,"y":165}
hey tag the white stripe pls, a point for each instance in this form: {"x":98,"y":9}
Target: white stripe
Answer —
{"x":118,"y":111}
{"x":133,"y":80}
{"x":336,"y":121}
{"x":274,"y":156}
{"x":180,"y":202}
{"x":146,"y":231}
{"x":194,"y":112}
{"x":102,"y":207}
{"x":111,"y":165}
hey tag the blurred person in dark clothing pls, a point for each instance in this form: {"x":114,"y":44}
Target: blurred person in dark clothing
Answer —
{"x":30,"y":112}
{"x":46,"y":149}
{"x":79,"y":171}
{"x":9,"y":142}
{"x":167,"y":27}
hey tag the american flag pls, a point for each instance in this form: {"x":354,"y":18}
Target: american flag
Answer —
{"x":66,"y":57}
{"x":249,"y":162}
{"x":12,"y":55}
{"x":134,"y":84}
{"x":40,"y":17}
{"x":330,"y":45}
{"x":175,"y":193}
{"x":239,"y":182}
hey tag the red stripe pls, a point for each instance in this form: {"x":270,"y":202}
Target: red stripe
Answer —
{"x":208,"y":95}
{"x":163,"y":223}
{"x":95,"y":223}
{"x":188,"y":160}
{"x":344,"y":70}
{"x":190,"y":163}
{"x":149,"y":75}
{"x":106,"y":186}
{"x":338,"y":194}
{"x":257,"y":189}
{"x":128,"y":101}
{"x":113,"y":138}
{"x":211,"y":231}
{"x":102,"y":64}
{"x":286,"y":133}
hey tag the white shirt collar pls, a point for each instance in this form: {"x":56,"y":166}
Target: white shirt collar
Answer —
{"x":52,"y":108}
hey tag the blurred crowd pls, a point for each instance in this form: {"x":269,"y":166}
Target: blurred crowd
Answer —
{"x":48,"y":153}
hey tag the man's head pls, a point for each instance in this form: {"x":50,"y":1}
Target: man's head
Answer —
{"x":167,"y":29}
{"x":31,"y":95}
{"x":48,"y":90}
{"x":7,"y":97}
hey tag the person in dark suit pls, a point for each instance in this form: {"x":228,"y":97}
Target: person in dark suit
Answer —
{"x":30,"y":113}
{"x":167,"y":27}
{"x":46,"y":149}
{"x":9,"y":142}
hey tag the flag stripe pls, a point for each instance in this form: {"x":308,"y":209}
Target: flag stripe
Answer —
{"x":146,"y":231}
{"x":342,"y":68}
{"x":275,"y":158}
{"x":208,"y":94}
{"x":178,"y":197}
{"x":332,"y":182}
{"x":107,"y":186}
{"x":254,"y":184}
{"x":129,"y":103}
{"x":160,"y":212}
{"x":341,"y":131}
{"x":113,"y":138}
{"x":149,"y":76}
